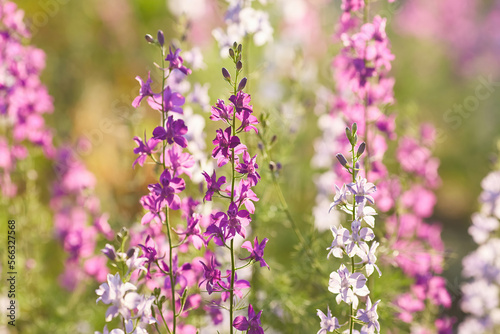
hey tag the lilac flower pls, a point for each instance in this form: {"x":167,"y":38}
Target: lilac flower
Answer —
{"x":167,"y":189}
{"x":235,"y":221}
{"x":339,"y":236}
{"x":154,"y":205}
{"x":224,"y":143}
{"x":173,"y":132}
{"x":193,"y":231}
{"x":362,"y":190}
{"x":144,"y":150}
{"x":176,"y":61}
{"x":238,"y":286}
{"x":251,"y":324}
{"x":172,"y":101}
{"x":145,"y":90}
{"x":211,"y":275}
{"x":249,"y":167}
{"x":347,"y":286}
{"x":367,"y":255}
{"x":482,"y":226}
{"x":341,"y":195}
{"x":328,"y":323}
{"x":221,"y":112}
{"x":180,"y":162}
{"x":217,"y":230}
{"x":150,"y":253}
{"x":120,"y":295}
{"x":257,"y":251}
{"x":135,"y":262}
{"x":244,"y":195}
{"x":369,"y":316}
{"x":213,"y":184}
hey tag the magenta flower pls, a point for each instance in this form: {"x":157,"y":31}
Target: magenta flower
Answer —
{"x":257,"y":251}
{"x":173,"y":132}
{"x":150,"y":253}
{"x":145,"y":90}
{"x":193,"y":231}
{"x":167,"y":189}
{"x":176,"y":61}
{"x":224,"y":143}
{"x":244,"y":195}
{"x":241,"y":102}
{"x":180,"y":162}
{"x":154,"y":205}
{"x":144,"y":150}
{"x":250,"y":325}
{"x":235,"y":221}
{"x":213,"y":185}
{"x":238,"y":286}
{"x":211,"y":276}
{"x":249,"y":167}
{"x":172,"y":101}
{"x":221,"y":112}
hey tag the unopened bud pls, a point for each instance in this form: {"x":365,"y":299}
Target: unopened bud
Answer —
{"x":235,"y":45}
{"x":149,"y":38}
{"x":361,"y":149}
{"x":342,"y":159}
{"x":109,"y":251}
{"x":260,"y":146}
{"x":239,"y":65}
{"x":272,"y":166}
{"x":131,"y":252}
{"x":161,"y":37}
{"x":356,"y":169}
{"x":231,"y":53}
{"x":226,"y":74}
{"x":242,"y":84}
{"x":273,"y":139}
{"x":240,"y":47}
{"x":348,"y":133}
{"x":354,"y":128}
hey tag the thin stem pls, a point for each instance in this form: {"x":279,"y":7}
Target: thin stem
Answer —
{"x":171,"y":272}
{"x":351,"y":321}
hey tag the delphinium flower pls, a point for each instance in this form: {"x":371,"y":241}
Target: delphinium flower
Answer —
{"x":364,"y":88}
{"x":228,"y":225}
{"x":169,"y":269}
{"x":480,"y":294}
{"x":348,"y":283}
{"x":242,"y":20}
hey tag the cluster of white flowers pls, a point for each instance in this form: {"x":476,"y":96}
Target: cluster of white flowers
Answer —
{"x":480,"y":295}
{"x":242,"y":20}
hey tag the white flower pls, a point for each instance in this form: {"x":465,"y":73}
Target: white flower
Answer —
{"x":347,"y":286}
{"x":120,"y":295}
{"x":367,"y":255}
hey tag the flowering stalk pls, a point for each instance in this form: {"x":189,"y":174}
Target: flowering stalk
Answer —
{"x":349,"y":284}
{"x":225,"y":226}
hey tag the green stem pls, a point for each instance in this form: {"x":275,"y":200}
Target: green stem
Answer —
{"x":170,"y":272}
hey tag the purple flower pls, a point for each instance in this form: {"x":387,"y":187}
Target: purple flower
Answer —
{"x":211,"y":275}
{"x":176,"y":61}
{"x":235,"y":221}
{"x":173,"y":132}
{"x":150,"y":253}
{"x":249,"y":167}
{"x":213,"y":185}
{"x":362,"y":190}
{"x":241,"y":102}
{"x":221,"y":112}
{"x":340,"y":198}
{"x":369,"y":316}
{"x":244,"y":195}
{"x":238,"y":285}
{"x":144,"y":91}
{"x":257,"y":251}
{"x":251,"y":324}
{"x":178,"y":161}
{"x":217,"y":230}
{"x":224,"y":143}
{"x":328,"y":323}
{"x":193,"y":231}
{"x":144,"y":150}
{"x":167,"y":189}
{"x":154,"y":205}
{"x":172,"y":101}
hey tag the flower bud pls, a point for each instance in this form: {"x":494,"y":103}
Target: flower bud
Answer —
{"x":354,"y":128}
{"x":149,"y":38}
{"x":273,"y":139}
{"x":348,"y":133}
{"x":231,"y":53}
{"x":342,"y":159}
{"x":272,"y":166}
{"x":356,"y":169}
{"x":226,"y":74}
{"x":242,"y":84}
{"x":239,"y":65}
{"x":260,"y":146}
{"x":240,"y":47}
{"x":161,"y":37}
{"x":361,"y":149}
{"x":131,"y":252}
{"x":109,"y":251}
{"x":235,"y":45}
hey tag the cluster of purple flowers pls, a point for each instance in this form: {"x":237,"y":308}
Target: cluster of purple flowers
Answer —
{"x":355,"y":199}
{"x":230,"y":225}
{"x":482,"y":267}
{"x":363,"y":87}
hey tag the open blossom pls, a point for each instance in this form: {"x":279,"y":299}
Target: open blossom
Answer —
{"x":369,"y":316}
{"x":250,"y":324}
{"x":257,"y":251}
{"x":328,"y":323}
{"x":172,"y":132}
{"x":221,"y":111}
{"x":213,"y":184}
{"x":211,"y":276}
{"x":145,"y":90}
{"x":249,"y":167}
{"x":167,"y":189}
{"x":347,"y":286}
{"x":172,"y":101}
{"x":176,"y":61}
{"x":235,"y":221}
{"x":225,"y":142}
{"x":121,"y":296}
{"x":144,"y":150}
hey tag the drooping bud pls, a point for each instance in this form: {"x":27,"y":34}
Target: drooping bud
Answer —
{"x":242,"y":84}
{"x":361,"y":149}
{"x":226,"y":75}
{"x":161,"y":37}
{"x":239,"y":66}
{"x":342,"y":159}
{"x":109,"y":251}
{"x":149,"y":38}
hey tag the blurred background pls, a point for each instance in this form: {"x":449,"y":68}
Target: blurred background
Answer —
{"x":444,"y":52}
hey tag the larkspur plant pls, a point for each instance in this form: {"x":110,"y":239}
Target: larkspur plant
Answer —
{"x":348,"y":282}
{"x":227,"y":226}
